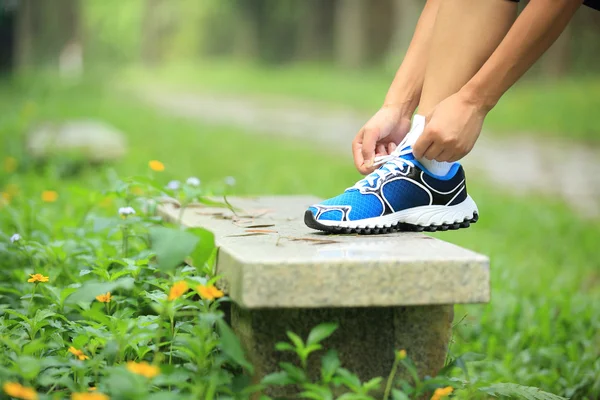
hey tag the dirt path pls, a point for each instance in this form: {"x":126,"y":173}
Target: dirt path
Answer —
{"x":524,"y":165}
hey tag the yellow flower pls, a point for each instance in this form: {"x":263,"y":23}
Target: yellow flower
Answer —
{"x":35,"y":278}
{"x":156,"y":165}
{"x":91,"y":389}
{"x":401,"y":355}
{"x":178,"y":289}
{"x":143,"y":368}
{"x":18,"y":391}
{"x":209,"y":292}
{"x":89,"y":396}
{"x":10,"y":164}
{"x":104,"y":298}
{"x":49,"y":196}
{"x":442,"y":392}
{"x":78,"y":353}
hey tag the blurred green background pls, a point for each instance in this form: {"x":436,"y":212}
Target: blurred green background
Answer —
{"x":68,"y":59}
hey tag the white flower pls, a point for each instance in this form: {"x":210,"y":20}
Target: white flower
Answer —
{"x":125,"y":211}
{"x":193,"y":181}
{"x":15,"y":238}
{"x":173,"y":185}
{"x":230,"y":181}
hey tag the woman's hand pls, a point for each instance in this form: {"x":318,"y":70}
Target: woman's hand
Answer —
{"x":451,"y":129}
{"x":379,"y":137}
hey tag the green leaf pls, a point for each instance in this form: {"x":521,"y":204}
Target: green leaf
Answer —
{"x":280,"y":378}
{"x":512,"y":390}
{"x":231,"y":346}
{"x":295,"y":373}
{"x":90,"y":290}
{"x":205,"y":246}
{"x":399,"y":395}
{"x":312,"y":348}
{"x":29,"y":366}
{"x":373,"y":384}
{"x":330,"y":362}
{"x":316,"y":392}
{"x":348,"y":379}
{"x":121,"y":382}
{"x":460,"y":362}
{"x":102,"y":223}
{"x":295,"y":339}
{"x":165,"y":396}
{"x":66,"y":292}
{"x":284,"y":346}
{"x":171,"y":246}
{"x":321,"y":332}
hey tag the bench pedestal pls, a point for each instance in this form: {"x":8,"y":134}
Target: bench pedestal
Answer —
{"x":366,"y":340}
{"x":386,"y":292}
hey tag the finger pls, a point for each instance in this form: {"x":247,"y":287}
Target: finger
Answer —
{"x":455,"y":157}
{"x":381,"y":151}
{"x":433,"y":152}
{"x":370,"y":138}
{"x":391,"y":148}
{"x":358,"y":158}
{"x":445,"y":156}
{"x":357,"y":150}
{"x":422,"y":144}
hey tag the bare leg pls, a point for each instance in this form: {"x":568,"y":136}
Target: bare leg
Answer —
{"x":466,"y":33}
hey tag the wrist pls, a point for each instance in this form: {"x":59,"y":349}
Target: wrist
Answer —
{"x":476,"y":95}
{"x":404,"y":94}
{"x":405,"y":104}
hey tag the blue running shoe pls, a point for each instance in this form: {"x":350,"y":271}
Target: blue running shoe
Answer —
{"x":400,"y":195}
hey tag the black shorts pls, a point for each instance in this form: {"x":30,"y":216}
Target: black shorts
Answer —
{"x":595,"y":4}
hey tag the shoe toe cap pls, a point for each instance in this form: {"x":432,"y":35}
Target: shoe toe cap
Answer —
{"x":326,"y":213}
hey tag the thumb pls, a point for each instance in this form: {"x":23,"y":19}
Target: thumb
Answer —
{"x":422,"y":144}
{"x":368,"y":147}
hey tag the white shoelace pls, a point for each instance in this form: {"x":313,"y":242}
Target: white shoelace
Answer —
{"x":394,"y":158}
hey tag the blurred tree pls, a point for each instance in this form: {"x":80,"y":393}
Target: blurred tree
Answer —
{"x":350,"y":34}
{"x":43,"y":30}
{"x":380,"y":30}
{"x":113,"y":31}
{"x":159,"y":25}
{"x":24,"y":34}
{"x":8,"y":30}
{"x":405,"y":16}
{"x":247,"y":41}
{"x":314,"y":33}
{"x":363,"y":31}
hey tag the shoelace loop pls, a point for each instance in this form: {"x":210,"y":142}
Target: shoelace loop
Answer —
{"x":394,"y":159}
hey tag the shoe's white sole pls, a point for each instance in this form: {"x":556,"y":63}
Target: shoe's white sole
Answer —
{"x":419,"y":218}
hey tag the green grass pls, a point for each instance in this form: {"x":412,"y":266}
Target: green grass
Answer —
{"x":564,"y":109}
{"x":541,"y":328}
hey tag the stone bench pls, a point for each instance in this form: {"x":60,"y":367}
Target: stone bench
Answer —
{"x":386,"y":292}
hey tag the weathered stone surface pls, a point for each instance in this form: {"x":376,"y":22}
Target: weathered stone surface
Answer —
{"x":292,"y":266}
{"x":95,"y":141}
{"x":366,"y":340}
